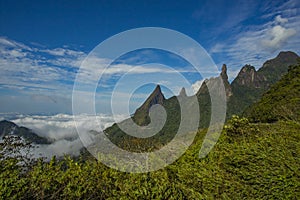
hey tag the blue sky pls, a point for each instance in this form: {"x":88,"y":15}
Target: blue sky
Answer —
{"x":43,"y":44}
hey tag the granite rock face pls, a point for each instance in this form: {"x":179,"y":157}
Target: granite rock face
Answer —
{"x":141,"y":115}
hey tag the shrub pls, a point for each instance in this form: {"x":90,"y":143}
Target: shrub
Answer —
{"x":239,"y":126}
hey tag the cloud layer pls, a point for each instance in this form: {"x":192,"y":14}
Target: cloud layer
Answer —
{"x":61,"y":130}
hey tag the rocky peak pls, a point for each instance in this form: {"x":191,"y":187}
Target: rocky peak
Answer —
{"x":156,"y":97}
{"x":273,"y":69}
{"x":248,"y":69}
{"x":224,"y":77}
{"x":249,"y":85}
{"x":287,"y":56}
{"x":141,"y":114}
{"x":282,"y":61}
{"x":182,"y":92}
{"x":215,"y":84}
{"x":248,"y":76}
{"x":224,"y":72}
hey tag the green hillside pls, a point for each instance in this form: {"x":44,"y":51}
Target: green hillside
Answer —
{"x":250,"y":161}
{"x":282,"y":101}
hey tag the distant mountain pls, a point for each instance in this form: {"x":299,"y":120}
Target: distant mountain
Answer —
{"x":282,"y":101}
{"x":10,"y":128}
{"x":249,"y":85}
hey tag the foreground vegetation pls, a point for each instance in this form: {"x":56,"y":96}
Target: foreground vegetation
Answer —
{"x":256,"y":161}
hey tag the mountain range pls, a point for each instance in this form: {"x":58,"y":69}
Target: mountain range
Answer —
{"x":246,"y":89}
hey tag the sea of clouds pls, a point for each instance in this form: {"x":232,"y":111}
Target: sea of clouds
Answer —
{"x":61,"y":130}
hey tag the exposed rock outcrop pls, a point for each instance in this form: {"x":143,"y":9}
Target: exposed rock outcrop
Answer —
{"x":141,"y":116}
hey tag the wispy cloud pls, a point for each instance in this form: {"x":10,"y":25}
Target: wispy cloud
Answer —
{"x":281,"y":20}
{"x":26,"y":66}
{"x":47,"y":75}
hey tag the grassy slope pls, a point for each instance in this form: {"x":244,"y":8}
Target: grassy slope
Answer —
{"x":258,"y":161}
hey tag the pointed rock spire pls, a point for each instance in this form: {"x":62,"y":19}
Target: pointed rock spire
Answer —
{"x":156,"y":97}
{"x":182,"y":92}
{"x":224,"y":72}
{"x":141,"y":114}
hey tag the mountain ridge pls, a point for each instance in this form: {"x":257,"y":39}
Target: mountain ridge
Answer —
{"x":250,"y":84}
{"x":246,"y":89}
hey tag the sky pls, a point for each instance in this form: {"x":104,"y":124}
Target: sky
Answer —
{"x":43,"y":45}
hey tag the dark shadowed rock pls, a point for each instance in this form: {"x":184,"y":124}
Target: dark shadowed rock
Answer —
{"x":224,"y":72}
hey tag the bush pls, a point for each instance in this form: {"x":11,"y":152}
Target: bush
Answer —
{"x":239,"y":126}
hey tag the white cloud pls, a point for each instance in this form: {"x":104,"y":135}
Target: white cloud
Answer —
{"x":24,"y":66}
{"x":13,"y":44}
{"x":196,"y":86}
{"x":277,"y":36}
{"x":62,"y":126}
